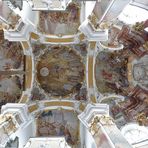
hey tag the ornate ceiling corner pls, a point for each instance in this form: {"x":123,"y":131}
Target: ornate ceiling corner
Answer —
{"x":93,"y":34}
{"x":91,"y":111}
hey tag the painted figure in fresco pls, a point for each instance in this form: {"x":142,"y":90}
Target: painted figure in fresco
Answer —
{"x":61,"y":131}
{"x":49,"y":125}
{"x":64,"y":131}
{"x":58,"y":22}
{"x":68,"y":136}
{"x":49,"y":113}
{"x":106,"y":75}
{"x":114,"y":86}
{"x":73,"y":14}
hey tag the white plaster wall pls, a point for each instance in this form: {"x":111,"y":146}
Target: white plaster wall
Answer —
{"x":24,"y":133}
{"x":82,"y":134}
{"x":27,"y":15}
{"x":89,"y":141}
{"x":143,"y":146}
{"x":82,"y":14}
{"x":89,"y":6}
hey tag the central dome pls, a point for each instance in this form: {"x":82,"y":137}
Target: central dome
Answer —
{"x":60,"y":71}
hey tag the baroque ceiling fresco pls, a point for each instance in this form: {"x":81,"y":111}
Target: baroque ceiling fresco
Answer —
{"x":124,"y":72}
{"x":11,"y":70}
{"x":60,"y":71}
{"x":58,"y":62}
{"x":66,"y":22}
{"x":59,"y":123}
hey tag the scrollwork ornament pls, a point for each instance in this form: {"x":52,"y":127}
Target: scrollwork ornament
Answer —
{"x":103,"y":120}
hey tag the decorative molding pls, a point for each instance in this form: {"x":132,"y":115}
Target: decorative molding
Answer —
{"x":91,"y":111}
{"x":59,"y":142}
{"x":91,"y":34}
